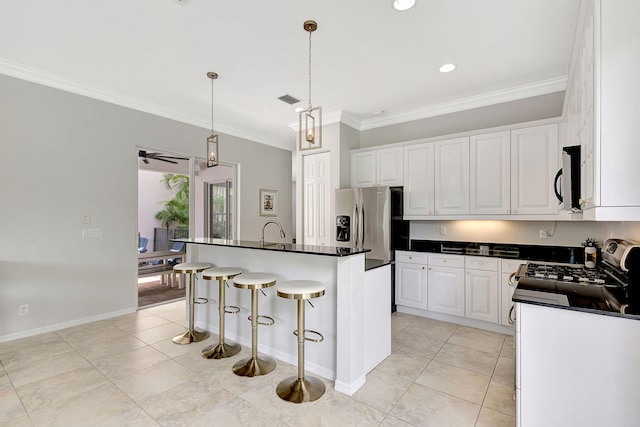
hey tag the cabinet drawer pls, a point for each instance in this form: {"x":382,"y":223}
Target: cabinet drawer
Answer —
{"x":481,"y":263}
{"x":446,"y":260}
{"x":411,"y":257}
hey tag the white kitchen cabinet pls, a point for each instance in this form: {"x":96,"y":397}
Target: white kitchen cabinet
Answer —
{"x":534,"y":163}
{"x":377,"y":167}
{"x":601,"y":107}
{"x":419,"y":180}
{"x":452,"y":176}
{"x":411,"y":279}
{"x":481,"y":289}
{"x":507,"y":287}
{"x":446,"y":284}
{"x":490,"y":173}
{"x":317,"y":196}
{"x":576,"y":368}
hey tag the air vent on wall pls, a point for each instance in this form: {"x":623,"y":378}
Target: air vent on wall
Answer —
{"x":289,"y":99}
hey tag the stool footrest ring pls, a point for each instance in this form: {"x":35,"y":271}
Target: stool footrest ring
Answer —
{"x":231,"y":309}
{"x":198,"y":300}
{"x":311,"y":331}
{"x":270,"y":322}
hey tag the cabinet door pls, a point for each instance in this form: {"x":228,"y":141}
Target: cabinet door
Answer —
{"x":534,"y":163}
{"x":389,"y":164}
{"x":418,"y":180}
{"x":481,"y":295}
{"x":452,"y":177}
{"x":411,"y":285}
{"x":363,"y":169}
{"x":446,"y":290}
{"x":490,"y":173}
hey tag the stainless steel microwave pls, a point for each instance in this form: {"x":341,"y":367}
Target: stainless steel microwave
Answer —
{"x":568,"y":192}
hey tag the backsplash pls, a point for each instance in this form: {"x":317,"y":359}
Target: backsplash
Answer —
{"x":561,"y":233}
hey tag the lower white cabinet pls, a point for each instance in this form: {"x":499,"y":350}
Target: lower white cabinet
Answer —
{"x":446,"y":284}
{"x":411,"y":279}
{"x":481,"y":289}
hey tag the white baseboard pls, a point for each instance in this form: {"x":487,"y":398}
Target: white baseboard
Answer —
{"x":65,"y":325}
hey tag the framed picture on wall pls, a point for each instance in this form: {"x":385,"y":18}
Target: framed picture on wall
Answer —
{"x":268,"y":203}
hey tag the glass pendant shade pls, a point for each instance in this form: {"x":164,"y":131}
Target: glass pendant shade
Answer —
{"x":212,"y":150}
{"x":310,"y":124}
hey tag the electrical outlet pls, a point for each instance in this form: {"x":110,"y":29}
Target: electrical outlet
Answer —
{"x":23,"y":310}
{"x":544,"y":234}
{"x":86,"y":218}
{"x":443,"y":230}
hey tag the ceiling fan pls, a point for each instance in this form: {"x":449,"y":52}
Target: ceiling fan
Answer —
{"x":145,"y":156}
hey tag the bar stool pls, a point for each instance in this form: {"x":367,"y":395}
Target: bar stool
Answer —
{"x":254,"y":365}
{"x":301,"y":389}
{"x":192,"y":268}
{"x":222,"y":349}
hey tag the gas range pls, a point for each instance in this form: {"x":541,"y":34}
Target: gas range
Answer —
{"x":575,"y":273}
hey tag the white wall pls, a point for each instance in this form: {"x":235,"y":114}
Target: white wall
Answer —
{"x":63,"y":155}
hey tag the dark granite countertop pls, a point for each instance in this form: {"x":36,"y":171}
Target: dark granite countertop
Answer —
{"x":278,"y":247}
{"x":370,"y":264}
{"x":565,"y":254}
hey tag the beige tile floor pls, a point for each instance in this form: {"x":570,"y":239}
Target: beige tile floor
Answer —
{"x":126,"y":372}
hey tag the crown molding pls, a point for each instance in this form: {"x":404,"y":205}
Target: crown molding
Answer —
{"x":512,"y":94}
{"x":34,"y":75}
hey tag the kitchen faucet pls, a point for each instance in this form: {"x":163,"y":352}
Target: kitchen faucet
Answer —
{"x":282,"y":235}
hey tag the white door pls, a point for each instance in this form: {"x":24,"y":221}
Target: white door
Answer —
{"x":446,"y":290}
{"x":481,"y":295}
{"x":452,"y":177}
{"x":418,"y":180}
{"x":411,"y":285}
{"x":317,"y":199}
{"x":534,"y":163}
{"x":490,"y":164}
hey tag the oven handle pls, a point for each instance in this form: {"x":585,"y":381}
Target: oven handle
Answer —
{"x":511,"y":318}
{"x":510,"y":281}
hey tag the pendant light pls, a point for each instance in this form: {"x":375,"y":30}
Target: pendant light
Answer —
{"x":310,"y":120}
{"x":212,"y":141}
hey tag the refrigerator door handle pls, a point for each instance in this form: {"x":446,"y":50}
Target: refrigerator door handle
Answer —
{"x":356,"y":226}
{"x":362,"y":224}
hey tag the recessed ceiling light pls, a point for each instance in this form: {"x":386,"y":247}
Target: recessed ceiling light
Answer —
{"x":403,"y":4}
{"x":446,"y":68}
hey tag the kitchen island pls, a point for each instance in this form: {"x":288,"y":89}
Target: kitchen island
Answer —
{"x":354,"y":315}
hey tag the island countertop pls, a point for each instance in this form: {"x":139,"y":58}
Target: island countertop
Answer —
{"x":279,"y":247}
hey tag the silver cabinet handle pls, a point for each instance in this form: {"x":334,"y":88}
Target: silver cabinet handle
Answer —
{"x":511,"y":319}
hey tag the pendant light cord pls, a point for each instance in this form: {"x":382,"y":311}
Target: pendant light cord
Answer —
{"x":310,"y":70}
{"x":212,"y":106}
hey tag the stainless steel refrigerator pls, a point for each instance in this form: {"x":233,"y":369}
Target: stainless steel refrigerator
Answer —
{"x":371,"y":218}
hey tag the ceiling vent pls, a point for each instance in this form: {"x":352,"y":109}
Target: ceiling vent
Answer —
{"x":289,"y":99}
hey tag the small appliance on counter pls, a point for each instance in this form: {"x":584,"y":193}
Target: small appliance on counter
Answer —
{"x":613,"y":286}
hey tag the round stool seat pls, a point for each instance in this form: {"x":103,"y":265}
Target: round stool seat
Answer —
{"x":254,"y":280}
{"x":300,"y":289}
{"x":220,"y":273}
{"x":191,"y":267}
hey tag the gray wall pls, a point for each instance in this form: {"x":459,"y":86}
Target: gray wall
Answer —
{"x":62,"y":155}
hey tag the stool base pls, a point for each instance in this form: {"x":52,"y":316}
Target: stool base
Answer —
{"x":252,"y":367}
{"x":295,"y":390}
{"x":190,"y":336}
{"x":221,"y":351}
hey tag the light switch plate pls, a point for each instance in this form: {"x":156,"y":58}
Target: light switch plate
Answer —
{"x":91,"y":232}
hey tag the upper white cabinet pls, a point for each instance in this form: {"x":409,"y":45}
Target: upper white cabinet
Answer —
{"x":377,"y":167}
{"x":452,"y":177}
{"x":534,"y":163}
{"x":419,"y":180}
{"x":601,"y":108}
{"x":490,"y":173}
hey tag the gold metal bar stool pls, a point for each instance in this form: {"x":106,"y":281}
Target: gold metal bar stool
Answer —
{"x":222,"y":349}
{"x":255,"y":365}
{"x":192,"y":268}
{"x":301,"y":389}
